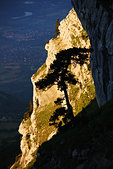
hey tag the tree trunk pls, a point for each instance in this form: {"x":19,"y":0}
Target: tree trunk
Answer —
{"x":69,"y":107}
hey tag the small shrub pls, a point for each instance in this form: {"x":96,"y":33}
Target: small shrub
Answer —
{"x":84,"y":35}
{"x":26,"y":115}
{"x":47,"y":42}
{"x":59,"y":118}
{"x":53,"y":37}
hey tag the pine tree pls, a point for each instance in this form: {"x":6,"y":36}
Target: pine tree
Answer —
{"x":60,"y":75}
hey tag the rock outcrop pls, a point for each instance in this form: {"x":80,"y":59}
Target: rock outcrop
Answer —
{"x":35,"y":129}
{"x":97,"y":19}
{"x":71,"y":34}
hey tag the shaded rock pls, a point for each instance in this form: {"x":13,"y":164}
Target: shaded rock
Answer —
{"x":98,"y":22}
{"x":81,"y":166}
{"x":74,"y":153}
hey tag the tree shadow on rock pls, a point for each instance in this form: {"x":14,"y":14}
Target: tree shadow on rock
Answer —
{"x":60,"y":75}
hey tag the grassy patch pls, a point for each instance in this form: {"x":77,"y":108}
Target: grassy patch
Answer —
{"x":84,"y":35}
{"x":77,"y":39}
{"x":42,"y":68}
{"x":43,"y":117}
{"x":85,"y":97}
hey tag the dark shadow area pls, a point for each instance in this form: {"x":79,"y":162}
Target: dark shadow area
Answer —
{"x":106,"y":4}
{"x":84,"y":117}
{"x":59,"y":117}
{"x":88,"y":142}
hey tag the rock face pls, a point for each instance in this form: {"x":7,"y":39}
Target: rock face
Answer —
{"x":35,"y":129}
{"x":97,"y":19}
{"x":71,"y":34}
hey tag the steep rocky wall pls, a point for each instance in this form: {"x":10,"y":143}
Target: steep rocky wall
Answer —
{"x":97,"y":19}
{"x":35,"y":129}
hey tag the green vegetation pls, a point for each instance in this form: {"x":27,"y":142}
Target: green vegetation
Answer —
{"x":84,"y":35}
{"x":84,"y":99}
{"x":77,"y":39}
{"x":92,"y":131}
{"x":43,"y":121}
{"x":50,"y":116}
{"x":44,"y":115}
{"x":73,"y":40}
{"x":60,"y":75}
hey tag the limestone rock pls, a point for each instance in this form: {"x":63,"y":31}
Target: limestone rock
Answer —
{"x":71,"y":35}
{"x":74,"y":153}
{"x":35,"y":130}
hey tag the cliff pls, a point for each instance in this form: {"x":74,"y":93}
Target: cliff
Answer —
{"x":97,"y":19}
{"x":88,"y":144}
{"x":35,"y":128}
